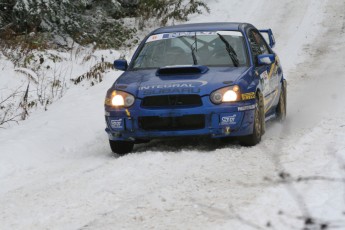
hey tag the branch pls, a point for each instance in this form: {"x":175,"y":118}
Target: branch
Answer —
{"x":8,"y":120}
{"x":7,"y":26}
{"x":15,"y":93}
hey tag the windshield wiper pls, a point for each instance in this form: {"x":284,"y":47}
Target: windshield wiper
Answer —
{"x":195,"y":61}
{"x":193,"y":49}
{"x":195,"y":44}
{"x":230,"y":50}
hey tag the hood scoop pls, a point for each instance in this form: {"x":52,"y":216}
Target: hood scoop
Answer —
{"x":181,"y":70}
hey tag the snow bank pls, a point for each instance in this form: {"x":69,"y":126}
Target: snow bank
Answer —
{"x":57,"y":171}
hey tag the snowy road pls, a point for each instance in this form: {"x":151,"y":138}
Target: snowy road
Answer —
{"x":57,"y":172}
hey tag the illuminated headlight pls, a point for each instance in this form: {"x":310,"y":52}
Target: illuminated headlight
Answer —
{"x":120,"y":99}
{"x":228,"y":94}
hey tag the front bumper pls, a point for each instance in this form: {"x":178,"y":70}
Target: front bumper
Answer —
{"x":226,"y":120}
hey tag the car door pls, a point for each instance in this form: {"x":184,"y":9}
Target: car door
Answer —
{"x":267,"y":72}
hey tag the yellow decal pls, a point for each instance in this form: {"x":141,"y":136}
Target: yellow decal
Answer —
{"x":269,"y":102}
{"x":107,"y":102}
{"x":128,"y":113}
{"x":248,"y":96}
{"x":273,"y":68}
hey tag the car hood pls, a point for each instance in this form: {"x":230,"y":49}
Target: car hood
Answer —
{"x":143,"y":83}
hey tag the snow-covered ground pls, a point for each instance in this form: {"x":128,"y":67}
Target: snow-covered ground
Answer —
{"x":57,"y":171}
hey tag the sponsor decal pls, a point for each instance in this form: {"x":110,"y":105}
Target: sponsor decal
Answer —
{"x":248,"y":96}
{"x":181,"y":87}
{"x":269,"y":101}
{"x":157,"y":37}
{"x":229,"y":120}
{"x":179,"y":84}
{"x":265,"y":81}
{"x":176,"y":85}
{"x":171,"y":91}
{"x":117,"y":124}
{"x":247,"y":107}
{"x":264,"y":75}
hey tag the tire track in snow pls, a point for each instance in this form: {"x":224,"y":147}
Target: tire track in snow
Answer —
{"x":181,"y":188}
{"x":305,"y":116}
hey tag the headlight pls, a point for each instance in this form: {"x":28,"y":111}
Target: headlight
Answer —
{"x":120,"y":99}
{"x":227,"y":94}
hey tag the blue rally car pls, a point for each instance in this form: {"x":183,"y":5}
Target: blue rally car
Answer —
{"x":214,"y":79}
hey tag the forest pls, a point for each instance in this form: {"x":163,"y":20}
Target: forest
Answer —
{"x":104,"y":23}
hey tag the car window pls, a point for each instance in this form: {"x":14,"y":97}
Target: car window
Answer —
{"x":257,"y":44}
{"x":178,"y":48}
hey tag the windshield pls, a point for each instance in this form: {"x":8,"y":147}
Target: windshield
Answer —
{"x":215,"y":48}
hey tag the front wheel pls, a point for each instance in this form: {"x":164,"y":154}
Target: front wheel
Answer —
{"x":121,"y":147}
{"x":259,"y":121}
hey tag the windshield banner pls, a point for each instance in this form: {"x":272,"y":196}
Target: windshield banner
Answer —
{"x":157,"y":37}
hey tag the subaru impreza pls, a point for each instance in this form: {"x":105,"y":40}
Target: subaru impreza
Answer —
{"x":209,"y":79}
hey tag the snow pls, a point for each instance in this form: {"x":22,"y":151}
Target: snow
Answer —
{"x":57,"y":171}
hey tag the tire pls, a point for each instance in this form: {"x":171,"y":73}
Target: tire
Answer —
{"x":259,"y":125}
{"x":121,"y":147}
{"x":281,"y":107}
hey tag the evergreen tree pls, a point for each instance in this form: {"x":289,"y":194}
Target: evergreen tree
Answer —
{"x":90,"y":21}
{"x":164,"y":10}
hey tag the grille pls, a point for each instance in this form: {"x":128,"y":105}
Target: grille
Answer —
{"x":188,"y":122}
{"x":172,"y":101}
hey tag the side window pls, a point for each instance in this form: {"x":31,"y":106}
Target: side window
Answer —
{"x":257,"y":44}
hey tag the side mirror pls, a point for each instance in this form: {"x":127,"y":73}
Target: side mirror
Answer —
{"x":266,"y":59}
{"x":269,"y":37}
{"x":121,"y":64}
